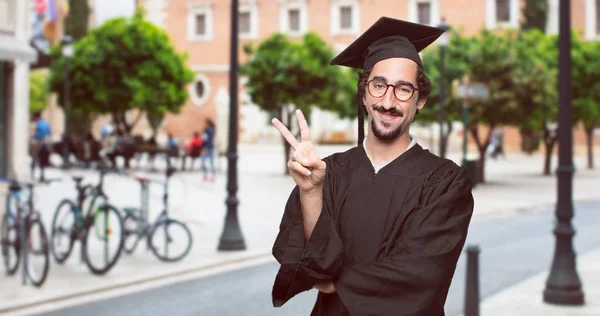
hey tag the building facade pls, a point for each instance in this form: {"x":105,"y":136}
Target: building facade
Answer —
{"x":16,"y":55}
{"x":202,"y":28}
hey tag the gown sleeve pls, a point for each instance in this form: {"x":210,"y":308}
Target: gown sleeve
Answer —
{"x":415,"y":277}
{"x":302,"y":265}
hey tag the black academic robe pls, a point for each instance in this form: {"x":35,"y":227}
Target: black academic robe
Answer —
{"x":389,"y":240}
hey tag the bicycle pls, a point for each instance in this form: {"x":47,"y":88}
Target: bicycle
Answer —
{"x":137,"y":225}
{"x":102,"y":222}
{"x":20,"y":243}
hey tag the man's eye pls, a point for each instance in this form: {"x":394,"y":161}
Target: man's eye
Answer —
{"x":379,"y":86}
{"x":405,"y":89}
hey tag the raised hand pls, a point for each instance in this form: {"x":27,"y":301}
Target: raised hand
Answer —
{"x":306,"y":168}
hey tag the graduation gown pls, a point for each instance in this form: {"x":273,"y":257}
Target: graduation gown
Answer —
{"x":389,"y":240}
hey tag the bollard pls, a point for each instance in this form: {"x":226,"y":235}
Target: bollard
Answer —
{"x":472,"y":284}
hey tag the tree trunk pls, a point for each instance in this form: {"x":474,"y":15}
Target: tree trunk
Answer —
{"x":446,"y":137}
{"x":481,"y":146}
{"x":549,"y":142}
{"x":589,"y":132}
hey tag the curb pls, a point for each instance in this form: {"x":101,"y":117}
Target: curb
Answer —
{"x":259,"y":254}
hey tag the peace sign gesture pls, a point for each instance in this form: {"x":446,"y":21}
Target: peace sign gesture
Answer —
{"x":307,"y":169}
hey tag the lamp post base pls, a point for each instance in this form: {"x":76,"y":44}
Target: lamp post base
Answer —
{"x":233,"y":244}
{"x":564,"y":296}
{"x":232,"y":238}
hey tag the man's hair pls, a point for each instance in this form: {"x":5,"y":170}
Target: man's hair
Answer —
{"x":423,"y":84}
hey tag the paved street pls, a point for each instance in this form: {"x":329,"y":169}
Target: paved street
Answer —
{"x":513,"y":248}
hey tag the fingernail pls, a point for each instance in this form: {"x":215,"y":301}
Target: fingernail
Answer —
{"x":308,"y":173}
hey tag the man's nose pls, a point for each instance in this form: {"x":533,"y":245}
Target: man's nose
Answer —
{"x":389,"y":98}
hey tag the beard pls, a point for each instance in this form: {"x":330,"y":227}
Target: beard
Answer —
{"x":379,"y":133}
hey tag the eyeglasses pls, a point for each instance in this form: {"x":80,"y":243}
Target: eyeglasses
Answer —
{"x":378,"y":88}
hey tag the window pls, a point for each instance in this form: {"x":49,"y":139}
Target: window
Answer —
{"x":293,"y":17}
{"x":424,"y":13}
{"x":248,"y":19}
{"x":346,"y":18}
{"x":294,"y":20}
{"x":244,"y":22}
{"x":502,"y":11}
{"x":200,"y":22}
{"x":199,"y":90}
{"x":502,"y":14}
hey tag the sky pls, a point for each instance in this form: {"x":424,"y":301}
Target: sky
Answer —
{"x":108,"y":9}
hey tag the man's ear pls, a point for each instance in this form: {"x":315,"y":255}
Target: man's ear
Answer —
{"x":421,"y":103}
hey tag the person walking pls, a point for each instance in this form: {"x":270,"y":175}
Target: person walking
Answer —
{"x":208,"y":154}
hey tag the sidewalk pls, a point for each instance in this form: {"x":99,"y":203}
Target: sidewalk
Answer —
{"x":526,"y":298}
{"x":514,"y":185}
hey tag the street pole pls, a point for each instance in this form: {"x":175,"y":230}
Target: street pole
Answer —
{"x":442,"y":101}
{"x":563,"y":286}
{"x":231,"y":238}
{"x":465,"y":117}
{"x":66,"y":101}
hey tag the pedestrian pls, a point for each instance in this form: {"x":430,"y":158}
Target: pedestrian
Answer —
{"x":193,"y":149}
{"x":208,"y":138}
{"x":172,"y":148}
{"x":377,"y":229}
{"x":40,"y":145}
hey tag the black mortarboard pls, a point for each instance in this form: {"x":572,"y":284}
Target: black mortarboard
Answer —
{"x":387,"y":38}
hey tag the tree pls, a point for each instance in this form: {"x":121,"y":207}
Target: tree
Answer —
{"x":493,"y":63}
{"x":456,"y":65}
{"x":535,"y":90}
{"x":535,"y":14}
{"x":284,"y":75}
{"x":124,"y":64}
{"x":586,"y":89}
{"x":38,"y":90}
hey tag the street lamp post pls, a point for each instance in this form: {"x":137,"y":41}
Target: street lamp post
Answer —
{"x":67,"y":51}
{"x":231,"y":238}
{"x":563,"y":286}
{"x":443,"y":42}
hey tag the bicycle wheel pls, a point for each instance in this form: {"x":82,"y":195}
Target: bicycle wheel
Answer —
{"x":170,"y":240}
{"x":62,"y":235}
{"x":10,"y":245}
{"x":131,"y":233}
{"x":103,"y":239}
{"x":37,"y":252}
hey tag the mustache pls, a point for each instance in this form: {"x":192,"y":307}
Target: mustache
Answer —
{"x":393,"y":111}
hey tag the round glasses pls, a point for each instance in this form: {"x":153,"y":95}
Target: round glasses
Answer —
{"x":403,"y":91}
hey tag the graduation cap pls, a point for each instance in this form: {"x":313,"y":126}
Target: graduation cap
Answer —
{"x":387,"y":38}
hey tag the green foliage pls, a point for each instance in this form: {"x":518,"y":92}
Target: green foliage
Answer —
{"x":122,"y":65}
{"x":76,"y":23}
{"x":535,"y":14}
{"x":493,"y":62}
{"x":457,"y":64}
{"x":586,"y":78}
{"x":535,"y":85}
{"x":38,"y":91}
{"x":282,"y":72}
